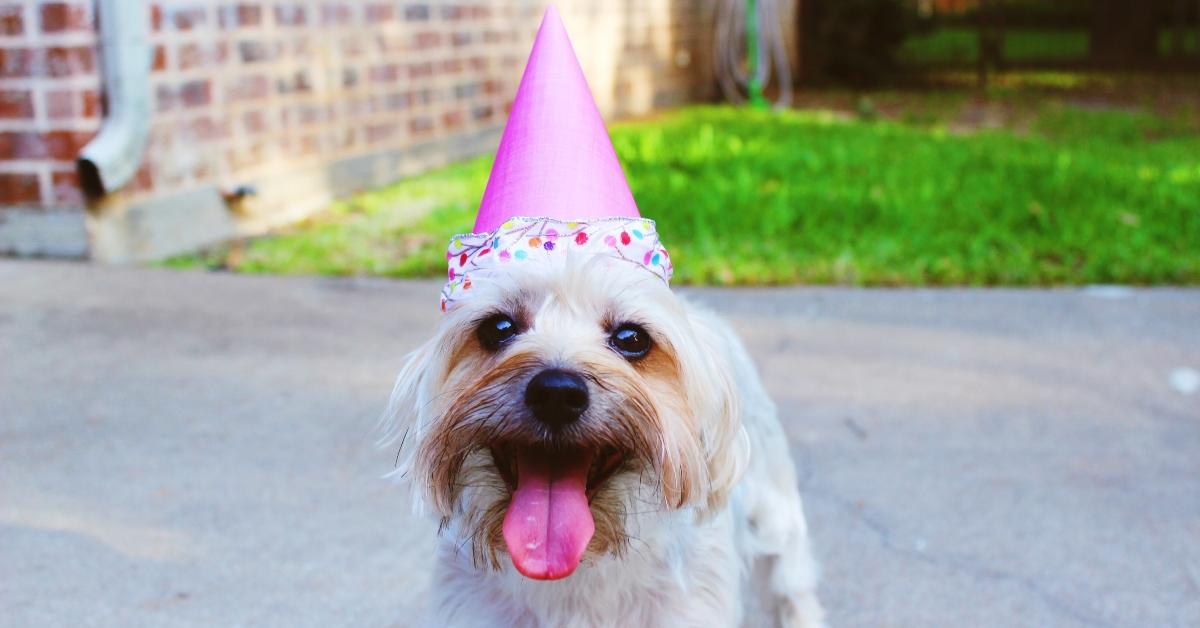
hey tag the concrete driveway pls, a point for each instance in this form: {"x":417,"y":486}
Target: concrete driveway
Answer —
{"x":189,"y":449}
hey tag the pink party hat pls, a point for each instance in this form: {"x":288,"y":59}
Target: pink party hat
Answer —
{"x":555,"y":159}
{"x":556,"y":189}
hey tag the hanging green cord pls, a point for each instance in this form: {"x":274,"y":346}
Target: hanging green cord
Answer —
{"x":754,"y":87}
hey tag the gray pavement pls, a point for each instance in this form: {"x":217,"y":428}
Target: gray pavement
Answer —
{"x":191,"y":449}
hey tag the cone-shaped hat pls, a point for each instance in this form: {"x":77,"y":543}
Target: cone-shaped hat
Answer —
{"x":555,"y":159}
{"x":556,"y":189}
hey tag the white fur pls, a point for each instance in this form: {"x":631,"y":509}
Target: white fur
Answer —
{"x":737,"y":553}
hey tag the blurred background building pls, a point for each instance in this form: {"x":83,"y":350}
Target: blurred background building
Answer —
{"x":258,"y":113}
{"x":245,"y":116}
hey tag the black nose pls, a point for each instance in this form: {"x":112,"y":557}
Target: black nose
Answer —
{"x":557,"y":397}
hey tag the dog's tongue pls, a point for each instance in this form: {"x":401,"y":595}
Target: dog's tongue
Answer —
{"x":548,"y":523}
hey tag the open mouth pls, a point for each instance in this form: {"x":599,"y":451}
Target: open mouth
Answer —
{"x":549,"y":520}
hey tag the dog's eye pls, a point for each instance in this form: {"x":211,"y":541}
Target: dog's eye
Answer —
{"x":630,"y":340}
{"x":496,"y":330}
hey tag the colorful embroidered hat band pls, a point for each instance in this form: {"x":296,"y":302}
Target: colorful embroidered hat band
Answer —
{"x":478,"y":256}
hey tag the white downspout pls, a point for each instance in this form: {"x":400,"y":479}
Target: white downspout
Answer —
{"x":112,"y":158}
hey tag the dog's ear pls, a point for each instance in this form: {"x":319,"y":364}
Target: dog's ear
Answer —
{"x":711,"y":379}
{"x":408,"y":411}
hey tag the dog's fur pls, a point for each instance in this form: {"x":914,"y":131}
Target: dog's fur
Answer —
{"x":701,"y":523}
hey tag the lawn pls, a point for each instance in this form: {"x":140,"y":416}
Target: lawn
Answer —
{"x":958,"y":45}
{"x":1059,"y":194}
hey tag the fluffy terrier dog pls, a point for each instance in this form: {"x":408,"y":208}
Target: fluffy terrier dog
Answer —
{"x":600,"y":452}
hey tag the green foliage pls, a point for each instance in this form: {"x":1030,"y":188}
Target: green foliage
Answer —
{"x":746,"y":197}
{"x":960,"y":46}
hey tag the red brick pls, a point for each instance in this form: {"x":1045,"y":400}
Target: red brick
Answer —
{"x":380,"y":12}
{"x":296,"y":83}
{"x":311,"y":114}
{"x":483,"y":112}
{"x":254,"y":122}
{"x":58,"y":17}
{"x":336,"y":14}
{"x":241,"y":16}
{"x":70,"y":61}
{"x":12,"y":19}
{"x":421,"y":125}
{"x":196,"y":93}
{"x":418,"y":70}
{"x":156,"y":17}
{"x":253,"y":51}
{"x":160,"y":58}
{"x":143,"y":179}
{"x":416,"y":12}
{"x":422,"y":96}
{"x":206,"y":128}
{"x":93,"y":103}
{"x":389,"y":73}
{"x":65,"y":145}
{"x":254,"y":87}
{"x":194,"y":55}
{"x":22,"y":145}
{"x":165,"y":98}
{"x":66,"y":188}
{"x":17,"y":62}
{"x":395,"y":102}
{"x":380,"y":132}
{"x":290,"y":15}
{"x":62,"y":104}
{"x":19,"y":188}
{"x":452,"y":120}
{"x":187,"y":18}
{"x":465,"y":91}
{"x":16,"y":104}
{"x":428,"y":40}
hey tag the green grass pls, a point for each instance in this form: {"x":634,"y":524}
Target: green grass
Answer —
{"x":745,"y":197}
{"x":1190,"y":43}
{"x":960,"y":46}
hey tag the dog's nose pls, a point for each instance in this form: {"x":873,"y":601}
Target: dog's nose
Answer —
{"x":557,"y":397}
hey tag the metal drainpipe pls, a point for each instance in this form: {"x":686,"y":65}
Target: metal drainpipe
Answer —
{"x":112,"y":158}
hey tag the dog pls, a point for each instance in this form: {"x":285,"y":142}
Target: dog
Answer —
{"x":599,"y":451}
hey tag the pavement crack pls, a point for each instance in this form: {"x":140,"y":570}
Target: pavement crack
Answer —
{"x":958,"y":565}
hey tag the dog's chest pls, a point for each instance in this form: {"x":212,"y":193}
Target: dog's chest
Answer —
{"x":675,"y":577}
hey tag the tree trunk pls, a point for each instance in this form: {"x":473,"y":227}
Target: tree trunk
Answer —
{"x":1179,"y":24}
{"x":1125,"y":33}
{"x":991,"y":40}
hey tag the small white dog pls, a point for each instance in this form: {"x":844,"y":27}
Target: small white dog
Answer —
{"x":600,"y":452}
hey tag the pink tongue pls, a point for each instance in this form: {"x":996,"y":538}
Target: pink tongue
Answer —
{"x":548,"y":524}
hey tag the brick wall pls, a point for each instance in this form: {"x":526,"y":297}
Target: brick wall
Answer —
{"x":304,"y":100}
{"x":49,"y":100}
